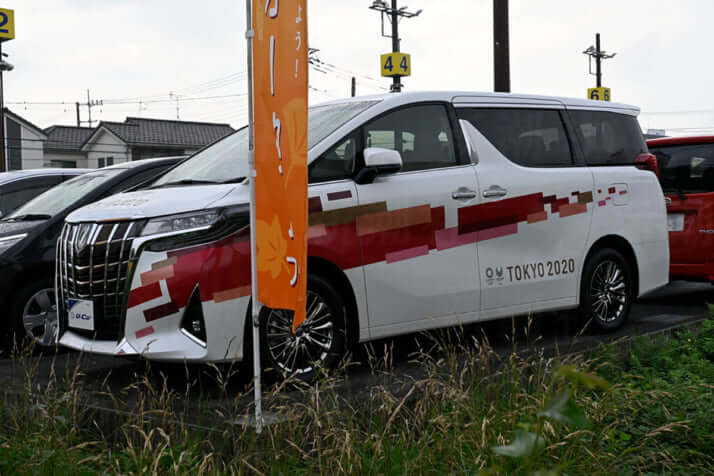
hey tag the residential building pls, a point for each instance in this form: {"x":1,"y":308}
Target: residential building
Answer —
{"x":24,"y":142}
{"x":106,"y":144}
{"x":139,"y":138}
{"x":63,"y":147}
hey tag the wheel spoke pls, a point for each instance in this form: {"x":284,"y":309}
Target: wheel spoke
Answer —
{"x":43,"y":300}
{"x":30,"y":321}
{"x":326,"y":325}
{"x":310,"y":339}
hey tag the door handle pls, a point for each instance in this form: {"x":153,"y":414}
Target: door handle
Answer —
{"x":463,"y":194}
{"x":495,"y":191}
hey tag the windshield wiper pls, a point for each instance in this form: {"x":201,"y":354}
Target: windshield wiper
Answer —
{"x":234,"y":180}
{"x":185,"y":182}
{"x":29,"y":217}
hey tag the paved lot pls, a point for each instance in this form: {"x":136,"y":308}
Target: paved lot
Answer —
{"x":674,"y":305}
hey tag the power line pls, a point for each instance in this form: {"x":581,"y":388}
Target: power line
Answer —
{"x":127,"y":102}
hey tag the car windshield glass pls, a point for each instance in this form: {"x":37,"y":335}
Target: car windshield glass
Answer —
{"x":227,"y":159}
{"x":65,"y":194}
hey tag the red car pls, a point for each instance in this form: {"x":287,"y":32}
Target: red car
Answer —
{"x":686,"y":172}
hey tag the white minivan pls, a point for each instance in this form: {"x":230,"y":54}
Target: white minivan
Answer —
{"x":427,"y":210}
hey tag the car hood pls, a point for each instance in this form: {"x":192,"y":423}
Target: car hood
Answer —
{"x":10,"y":228}
{"x":160,"y":202}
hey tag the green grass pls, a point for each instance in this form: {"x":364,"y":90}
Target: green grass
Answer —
{"x":649,"y":411}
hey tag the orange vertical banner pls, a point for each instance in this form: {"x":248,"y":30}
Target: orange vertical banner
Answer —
{"x":280,"y":118}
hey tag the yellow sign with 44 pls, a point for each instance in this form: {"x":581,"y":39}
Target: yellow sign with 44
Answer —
{"x":396,"y":64}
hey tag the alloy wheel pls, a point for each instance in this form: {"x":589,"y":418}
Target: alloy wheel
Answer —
{"x":39,"y":317}
{"x":608,"y":292}
{"x":301,"y":351}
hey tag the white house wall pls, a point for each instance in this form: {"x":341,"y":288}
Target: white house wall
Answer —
{"x":79,"y":159}
{"x":32,"y":148}
{"x":104,"y":146}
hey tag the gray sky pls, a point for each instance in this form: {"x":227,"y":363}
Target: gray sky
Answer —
{"x":139,"y":51}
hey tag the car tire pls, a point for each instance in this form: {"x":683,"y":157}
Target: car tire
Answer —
{"x":606,"y":290}
{"x":33,"y":314}
{"x":317,"y":346}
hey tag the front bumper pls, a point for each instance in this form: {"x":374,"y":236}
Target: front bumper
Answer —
{"x":165,"y":288}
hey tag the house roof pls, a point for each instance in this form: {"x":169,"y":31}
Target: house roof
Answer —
{"x":67,"y":138}
{"x":161,"y":132}
{"x":25,"y":122}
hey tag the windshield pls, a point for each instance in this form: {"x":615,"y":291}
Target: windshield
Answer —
{"x":65,"y":194}
{"x":227,"y":159}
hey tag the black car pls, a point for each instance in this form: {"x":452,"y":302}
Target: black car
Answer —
{"x":20,"y":186}
{"x":28,"y":238}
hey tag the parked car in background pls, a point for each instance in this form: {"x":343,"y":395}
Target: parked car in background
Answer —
{"x":28,"y":240}
{"x":21,"y":186}
{"x":686,"y":171}
{"x":426,"y":210}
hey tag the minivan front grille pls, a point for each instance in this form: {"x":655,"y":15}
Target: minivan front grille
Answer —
{"x":93,"y":264}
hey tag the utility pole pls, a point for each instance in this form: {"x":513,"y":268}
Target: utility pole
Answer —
{"x":176,"y":97}
{"x":501,"y":48}
{"x":89,"y":104}
{"x":89,"y":108}
{"x":396,"y":80}
{"x":595,"y":52}
{"x":354,"y":86}
{"x":3,"y":148}
{"x":394,"y":14}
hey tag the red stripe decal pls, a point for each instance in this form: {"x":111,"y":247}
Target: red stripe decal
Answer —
{"x":573,"y":209}
{"x":407,"y":254}
{"x":160,"y":311}
{"x":398,"y":219}
{"x":498,"y":231}
{"x":501,"y":212}
{"x":536,"y":217}
{"x":156,"y":275}
{"x":450,"y":238}
{"x":314,"y":204}
{"x":143,"y":294}
{"x":339,"y":195}
{"x":144,"y":332}
{"x":316,"y":231}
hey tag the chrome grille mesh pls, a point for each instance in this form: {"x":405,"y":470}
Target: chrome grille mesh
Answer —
{"x":93,"y":264}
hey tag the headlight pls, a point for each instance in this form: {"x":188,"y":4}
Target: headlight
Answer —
{"x":7,"y":242}
{"x":193,"y":221}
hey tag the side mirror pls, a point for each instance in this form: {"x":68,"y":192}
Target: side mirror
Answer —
{"x":378,"y":161}
{"x":647,"y":162}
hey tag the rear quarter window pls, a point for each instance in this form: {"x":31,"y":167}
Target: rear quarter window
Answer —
{"x":528,"y":137}
{"x":608,"y":138}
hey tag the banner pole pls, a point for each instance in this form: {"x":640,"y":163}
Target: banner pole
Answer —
{"x":255,"y":304}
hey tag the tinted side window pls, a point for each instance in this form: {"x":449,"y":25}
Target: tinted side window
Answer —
{"x":421,"y":134}
{"x":335,"y":164}
{"x":608,"y":138}
{"x":686,"y":168}
{"x":528,"y":137}
{"x":15,"y":195}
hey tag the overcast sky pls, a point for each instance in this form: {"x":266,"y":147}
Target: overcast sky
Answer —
{"x":139,"y":51}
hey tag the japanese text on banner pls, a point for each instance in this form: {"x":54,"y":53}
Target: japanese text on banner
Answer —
{"x":280,"y":100}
